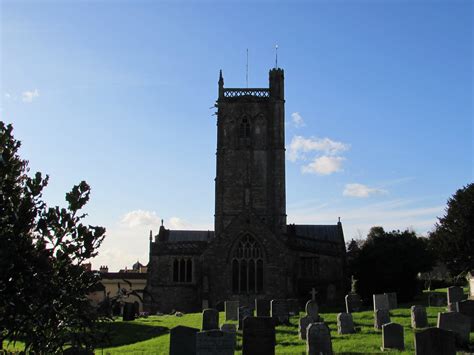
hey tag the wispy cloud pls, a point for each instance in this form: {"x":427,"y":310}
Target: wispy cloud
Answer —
{"x":297,"y":120}
{"x":324,"y":165}
{"x":300,"y":146}
{"x":361,"y":191}
{"x":140,"y":218}
{"x":29,"y":96}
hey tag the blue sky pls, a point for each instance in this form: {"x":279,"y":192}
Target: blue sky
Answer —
{"x":379,"y":115}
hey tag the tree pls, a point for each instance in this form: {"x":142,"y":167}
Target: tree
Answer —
{"x":43,"y":283}
{"x":390,"y":262}
{"x":453,"y":237}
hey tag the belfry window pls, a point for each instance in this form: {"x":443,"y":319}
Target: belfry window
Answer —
{"x":244,"y":131}
{"x":247,"y":266}
{"x":183,"y":270}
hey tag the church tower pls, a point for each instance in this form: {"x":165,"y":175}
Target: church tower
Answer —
{"x":250,"y":165}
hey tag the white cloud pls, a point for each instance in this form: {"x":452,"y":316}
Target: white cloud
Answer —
{"x":297,"y":120}
{"x":360,"y":190}
{"x":140,"y":218}
{"x":29,"y":96}
{"x":177,"y":223}
{"x":300,"y":145}
{"x":324,"y":165}
{"x":8,"y":96}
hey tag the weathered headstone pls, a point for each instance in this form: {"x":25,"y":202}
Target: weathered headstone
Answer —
{"x":345,"y":324}
{"x":381,"y":317}
{"x":437,"y":300}
{"x":381,"y":302}
{"x":279,"y":311}
{"x":128,"y":312}
{"x":183,"y":340}
{"x":293,"y":307}
{"x":230,"y":328}
{"x":318,"y":339}
{"x":215,"y":342}
{"x":455,"y":294}
{"x":392,"y":336}
{"x":457,"y":322}
{"x":418,"y":317}
{"x":312,"y":309}
{"x":231,"y":310}
{"x":466,"y":307}
{"x":392,"y":300}
{"x":210,"y":319}
{"x":262,"y":308}
{"x":303,"y":325}
{"x":435,"y":341}
{"x":244,"y":312}
{"x":258,"y":336}
{"x":353,"y":303}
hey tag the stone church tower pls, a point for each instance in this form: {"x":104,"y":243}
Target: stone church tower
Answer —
{"x":253,"y":253}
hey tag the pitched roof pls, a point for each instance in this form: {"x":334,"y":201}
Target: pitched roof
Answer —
{"x":322,"y":239}
{"x":328,"y":233}
{"x":176,"y":236}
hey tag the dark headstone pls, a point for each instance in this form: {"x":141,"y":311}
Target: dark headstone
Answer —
{"x":353,"y":303}
{"x":183,"y":340}
{"x":457,"y":322}
{"x":345,"y":324}
{"x":435,"y":341}
{"x":455,"y":294}
{"x":312,"y":309}
{"x":381,"y":302}
{"x":231,"y":310}
{"x":258,"y":336}
{"x":318,"y":339}
{"x":262,"y":308}
{"x":437,"y":300}
{"x":381,"y":317}
{"x":467,"y":308}
{"x":128,"y":312}
{"x":303,"y":326}
{"x":210,"y":319}
{"x":418,"y":317}
{"x":279,"y":311}
{"x":230,"y":328}
{"x":215,"y":342}
{"x":293,"y":307}
{"x":392,"y":336}
{"x":244,"y":312}
{"x":392,"y":300}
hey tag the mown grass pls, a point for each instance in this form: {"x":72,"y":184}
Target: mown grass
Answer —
{"x":151,"y":335}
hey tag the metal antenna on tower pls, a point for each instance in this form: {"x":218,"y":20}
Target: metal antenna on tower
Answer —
{"x":247,"y":72}
{"x":276,"y":56}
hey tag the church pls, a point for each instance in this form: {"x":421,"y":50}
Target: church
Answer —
{"x":252,"y":253}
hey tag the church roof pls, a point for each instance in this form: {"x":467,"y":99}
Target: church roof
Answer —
{"x":322,"y":232}
{"x":176,"y":236}
{"x":321,"y":239}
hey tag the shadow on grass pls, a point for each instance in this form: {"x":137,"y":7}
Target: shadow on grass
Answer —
{"x":124,"y":333}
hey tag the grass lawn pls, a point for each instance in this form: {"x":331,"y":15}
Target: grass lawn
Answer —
{"x":151,"y":335}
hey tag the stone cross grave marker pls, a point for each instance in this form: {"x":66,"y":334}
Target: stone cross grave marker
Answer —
{"x":183,"y":340}
{"x":215,"y":342}
{"x":345,"y":324}
{"x":435,"y":341}
{"x":279,"y":311}
{"x":353,"y":303}
{"x":318,"y":339}
{"x":231,"y":310}
{"x":459,"y":323}
{"x":258,"y":336}
{"x":466,"y":307}
{"x":262,"y":308}
{"x":418,"y":317}
{"x":244,"y":312}
{"x":392,"y":337}
{"x":381,"y":302}
{"x":313,"y":294}
{"x":381,"y":317}
{"x":210,"y":319}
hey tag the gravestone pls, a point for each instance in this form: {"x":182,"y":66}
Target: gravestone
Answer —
{"x":318,"y":339}
{"x":128,"y":312}
{"x":455,"y":294}
{"x":437,"y":300}
{"x":345,"y":324}
{"x":258,"y":336}
{"x":244,"y":312}
{"x":210,"y":319}
{"x":392,"y":300}
{"x":353,"y":303}
{"x":231,"y":310}
{"x":435,"y":341}
{"x":262,"y":308}
{"x":312,"y":309}
{"x":303,"y":326}
{"x":230,"y":328}
{"x":381,"y":302}
{"x":215,"y":342}
{"x":459,"y":323}
{"x":466,"y":307}
{"x":183,"y":340}
{"x":293,"y":307}
{"x":279,"y":311}
{"x":392,"y":337}
{"x":418,"y":317}
{"x":381,"y":317}
{"x":205,"y":304}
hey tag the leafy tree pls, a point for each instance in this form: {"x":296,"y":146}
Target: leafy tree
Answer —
{"x":453,"y":237}
{"x":42,"y":280}
{"x":390,"y":262}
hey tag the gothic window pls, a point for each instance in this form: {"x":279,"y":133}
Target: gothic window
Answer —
{"x":309,"y":267}
{"x":182,"y":270}
{"x":247,"y":266}
{"x":244,"y":131}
